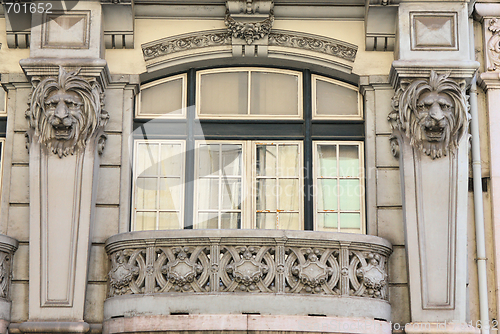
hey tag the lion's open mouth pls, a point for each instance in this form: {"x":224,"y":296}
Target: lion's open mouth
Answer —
{"x":63,"y":132}
{"x":434,"y":134}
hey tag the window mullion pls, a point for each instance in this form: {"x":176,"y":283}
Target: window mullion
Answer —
{"x":249,"y":92}
{"x":337,"y":149}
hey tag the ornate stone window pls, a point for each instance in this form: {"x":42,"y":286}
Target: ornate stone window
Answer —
{"x":256,"y":148}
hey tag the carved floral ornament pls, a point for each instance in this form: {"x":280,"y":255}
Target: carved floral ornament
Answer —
{"x":493,"y":48}
{"x":432,"y":113}
{"x":249,"y":31}
{"x":66,"y":111}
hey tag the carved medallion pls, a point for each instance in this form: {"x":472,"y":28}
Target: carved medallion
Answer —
{"x":66,"y":111}
{"x":181,"y":272}
{"x":432,"y":113}
{"x":373,"y":276}
{"x":121,"y":274}
{"x":247,"y":271}
{"x":249,"y":31}
{"x":312,"y":273}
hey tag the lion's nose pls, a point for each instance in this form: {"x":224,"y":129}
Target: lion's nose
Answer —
{"x":61,"y":111}
{"x":435,"y":112}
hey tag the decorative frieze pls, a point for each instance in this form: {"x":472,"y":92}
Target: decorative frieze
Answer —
{"x":432,"y":113}
{"x":249,"y":31}
{"x":66,"y":111}
{"x":263,"y":265}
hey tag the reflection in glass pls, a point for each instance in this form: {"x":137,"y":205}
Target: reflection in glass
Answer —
{"x":274,"y":94}
{"x":224,"y":93}
{"x":348,"y":161}
{"x":164,"y":98}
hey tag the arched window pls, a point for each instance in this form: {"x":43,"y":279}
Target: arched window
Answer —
{"x":256,"y":148}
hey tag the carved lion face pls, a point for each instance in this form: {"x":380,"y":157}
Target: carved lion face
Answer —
{"x":65,"y":111}
{"x":433,"y":113}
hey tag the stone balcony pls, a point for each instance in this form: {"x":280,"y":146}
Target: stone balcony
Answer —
{"x":257,"y":272}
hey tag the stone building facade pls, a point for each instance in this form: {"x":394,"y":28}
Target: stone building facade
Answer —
{"x":267,"y":166}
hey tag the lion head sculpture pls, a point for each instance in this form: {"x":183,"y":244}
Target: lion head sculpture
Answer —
{"x":65,"y":112}
{"x":433,"y":113}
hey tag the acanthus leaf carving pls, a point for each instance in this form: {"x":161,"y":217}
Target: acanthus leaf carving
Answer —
{"x":432,"y":113}
{"x":249,"y":31}
{"x":493,"y":48}
{"x":66,"y":111}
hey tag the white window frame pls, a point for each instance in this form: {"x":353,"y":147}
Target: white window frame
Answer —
{"x":183,"y":77}
{"x":300,"y":178}
{"x":3,"y":113}
{"x":134,"y":182}
{"x":244,"y":179}
{"x":248,"y":115}
{"x":361,"y":177}
{"x":314,"y":79}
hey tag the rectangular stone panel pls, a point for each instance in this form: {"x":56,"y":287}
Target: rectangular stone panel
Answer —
{"x":20,"y":152}
{"x":98,"y":264}
{"x":18,"y":223}
{"x":400,"y":304}
{"x":112,"y":150}
{"x":388,"y":187}
{"x":19,"y":184}
{"x":66,"y":30}
{"x":20,"y":269}
{"x":94,"y":303}
{"x":433,"y":31}
{"x":384,"y":154}
{"x":105,"y":223}
{"x":390,"y":225}
{"x":19,"y":311}
{"x":397,"y":266}
{"x":108,"y":189}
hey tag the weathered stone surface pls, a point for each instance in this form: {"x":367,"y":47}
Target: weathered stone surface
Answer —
{"x":108,"y":189}
{"x":388,"y":187}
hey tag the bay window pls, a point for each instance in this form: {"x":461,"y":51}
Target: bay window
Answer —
{"x":262,"y":148}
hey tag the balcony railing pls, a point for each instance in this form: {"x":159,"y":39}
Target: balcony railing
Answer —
{"x":311,"y":272}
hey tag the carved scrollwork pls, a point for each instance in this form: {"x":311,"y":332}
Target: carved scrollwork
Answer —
{"x":5,"y":274}
{"x":313,"y":271}
{"x":493,"y":50}
{"x":368,"y":275}
{"x":432,"y":113}
{"x":66,"y":111}
{"x":249,"y":269}
{"x":249,"y":31}
{"x":127,"y":272}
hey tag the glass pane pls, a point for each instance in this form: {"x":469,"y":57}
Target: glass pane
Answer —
{"x":163,"y":98}
{"x":208,"y":194}
{"x":289,"y":221}
{"x":169,"y":221}
{"x":349,"y":160}
{"x":230,"y":220}
{"x":274,"y":94}
{"x":266,"y":160}
{"x":170,"y":193}
{"x":266,"y":221}
{"x":350,"y":220}
{"x":146,"y":191}
{"x":145,"y":221}
{"x":147,"y":159}
{"x":289,"y":195}
{"x":207,"y":220}
{"x":327,"y":194}
{"x":288,"y":164}
{"x":327,"y":221}
{"x":171,"y":160}
{"x":224,"y":93}
{"x":266,"y":194}
{"x":332,"y":99}
{"x":231,"y":159}
{"x":327,"y":158}
{"x":349,"y":192}
{"x":231,"y":194}
{"x":208,"y":162}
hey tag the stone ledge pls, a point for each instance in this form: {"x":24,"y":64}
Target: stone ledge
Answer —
{"x":245,"y":323}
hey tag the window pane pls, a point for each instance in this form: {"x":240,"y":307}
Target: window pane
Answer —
{"x":208,"y":220}
{"x":274,"y":94}
{"x":266,"y":194}
{"x":349,"y":192}
{"x":231,"y":159}
{"x":350,"y":220}
{"x":147,"y":159}
{"x":289,"y":221}
{"x":208,"y":194}
{"x":333,"y":99}
{"x":231,"y":194}
{"x":327,"y":221}
{"x":266,"y":160}
{"x":171,"y":160}
{"x":145,"y":221}
{"x":224,"y":93}
{"x":230,"y":220}
{"x":289,"y":195}
{"x":349,"y":160}
{"x":162,"y":98}
{"x":266,"y":221}
{"x":169,"y":221}
{"x":170,"y":193}
{"x":288,"y":164}
{"x":327,"y":194}
{"x":327,"y":158}
{"x":208,"y":162}
{"x":146,"y":190}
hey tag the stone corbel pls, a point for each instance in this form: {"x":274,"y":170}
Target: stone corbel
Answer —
{"x":18,"y":29}
{"x":249,"y":24}
{"x":118,"y":24}
{"x":380,"y":25}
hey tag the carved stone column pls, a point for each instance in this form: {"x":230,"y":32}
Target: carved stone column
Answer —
{"x":66,"y":120}
{"x":7,"y":248}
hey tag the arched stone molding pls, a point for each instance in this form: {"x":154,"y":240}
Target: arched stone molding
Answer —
{"x":285,"y":48}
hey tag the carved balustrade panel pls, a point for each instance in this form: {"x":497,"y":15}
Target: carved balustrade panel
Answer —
{"x":242,"y":265}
